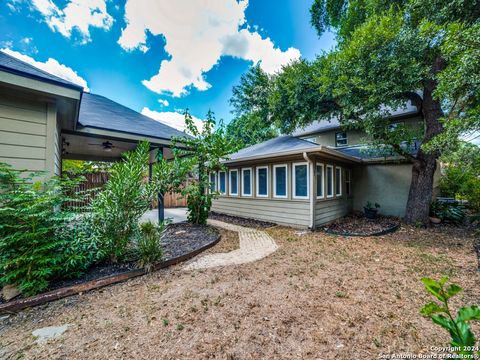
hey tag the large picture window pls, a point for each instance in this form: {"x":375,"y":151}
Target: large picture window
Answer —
{"x":329,"y":180}
{"x":213,"y":182}
{"x":222,"y":182}
{"x":320,"y":181}
{"x":233,"y":182}
{"x":300,"y":181}
{"x":338,"y":181}
{"x":280,"y":182}
{"x":262,"y":181}
{"x":247,"y":182}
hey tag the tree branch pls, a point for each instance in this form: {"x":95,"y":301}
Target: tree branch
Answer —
{"x":416,"y":99}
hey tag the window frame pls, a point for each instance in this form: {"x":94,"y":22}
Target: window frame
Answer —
{"x":294,"y":181}
{"x":341,"y":181}
{"x":257,"y":187}
{"x":215,"y":183}
{"x":321,"y":165}
{"x":275,"y":181}
{"x":230,"y":182}
{"x":243,"y":182}
{"x":219,"y":187}
{"x":344,"y":138}
{"x":348,"y":180}
{"x":326,"y":182}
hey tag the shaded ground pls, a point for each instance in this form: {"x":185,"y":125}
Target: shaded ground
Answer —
{"x":257,"y":224}
{"x":358,"y":224}
{"x":318,"y":297}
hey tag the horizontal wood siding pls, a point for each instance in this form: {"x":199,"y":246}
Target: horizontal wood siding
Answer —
{"x":283,"y":212}
{"x":23,"y":133}
{"x":329,"y":210}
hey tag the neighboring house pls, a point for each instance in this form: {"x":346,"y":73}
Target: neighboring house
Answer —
{"x":44,"y":119}
{"x":314,"y":176}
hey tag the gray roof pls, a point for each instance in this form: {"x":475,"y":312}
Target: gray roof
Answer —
{"x":271,"y":147}
{"x":366,"y":152}
{"x":101,"y":113}
{"x":13,"y":65}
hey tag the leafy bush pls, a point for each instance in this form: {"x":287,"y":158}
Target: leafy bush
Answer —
{"x":149,"y":247}
{"x":35,"y":232}
{"x":448,"y":211}
{"x":459,"y":328}
{"x":125,"y":198}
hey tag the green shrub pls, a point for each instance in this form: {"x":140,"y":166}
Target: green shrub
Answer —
{"x":149,"y":246}
{"x":450,"y":212}
{"x":462,"y":337}
{"x":117,"y":209}
{"x":35,"y":232}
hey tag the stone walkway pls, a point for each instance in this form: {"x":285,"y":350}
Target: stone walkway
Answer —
{"x":254,"y":245}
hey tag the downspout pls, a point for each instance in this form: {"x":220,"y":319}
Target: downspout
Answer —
{"x":312,"y":188}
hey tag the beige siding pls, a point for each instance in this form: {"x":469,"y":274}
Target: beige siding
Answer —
{"x":28,"y":134}
{"x":284,"y":212}
{"x":329,"y":210}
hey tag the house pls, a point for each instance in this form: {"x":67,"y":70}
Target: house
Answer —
{"x":44,"y":119}
{"x":314,"y":176}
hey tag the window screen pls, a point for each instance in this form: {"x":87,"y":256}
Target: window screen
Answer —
{"x":329,"y":181}
{"x":301,"y":180}
{"x":341,"y":138}
{"x":234,"y":182}
{"x":320,"y":182}
{"x":338,"y":181}
{"x":222,"y":181}
{"x":213,"y":180}
{"x":262,"y":181}
{"x":247,"y":182}
{"x":281,"y":181}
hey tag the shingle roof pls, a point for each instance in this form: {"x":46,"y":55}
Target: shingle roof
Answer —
{"x":271,"y":147}
{"x":11,"y":64}
{"x":366,"y":152}
{"x":99,"y":112}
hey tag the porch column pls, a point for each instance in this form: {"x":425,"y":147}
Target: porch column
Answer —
{"x":161,"y":205}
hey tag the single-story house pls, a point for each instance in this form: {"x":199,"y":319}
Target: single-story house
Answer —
{"x":314,"y":176}
{"x":44,"y":119}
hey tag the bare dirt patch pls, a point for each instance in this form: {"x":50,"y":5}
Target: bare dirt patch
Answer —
{"x":240,"y":221}
{"x":357,"y":225}
{"x":229,"y":241}
{"x":318,"y":297}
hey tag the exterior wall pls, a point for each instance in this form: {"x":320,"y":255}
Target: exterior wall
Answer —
{"x":29,"y":137}
{"x":328,"y":211}
{"x":387,"y":185}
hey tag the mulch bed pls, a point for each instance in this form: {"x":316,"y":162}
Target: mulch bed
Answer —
{"x":358,"y":225}
{"x":235,"y":220}
{"x":179,"y":240}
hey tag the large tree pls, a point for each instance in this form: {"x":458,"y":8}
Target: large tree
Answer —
{"x":390,"y":53}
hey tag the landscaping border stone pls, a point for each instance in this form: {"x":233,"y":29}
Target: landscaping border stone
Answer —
{"x":20,"y":304}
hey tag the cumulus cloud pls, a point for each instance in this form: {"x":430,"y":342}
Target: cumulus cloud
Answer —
{"x":51,"y":66}
{"x":77,"y":14}
{"x":163,"y":102}
{"x":197,"y":34}
{"x":171,"y":118}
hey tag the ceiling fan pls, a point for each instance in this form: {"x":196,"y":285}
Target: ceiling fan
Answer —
{"x":107,"y":146}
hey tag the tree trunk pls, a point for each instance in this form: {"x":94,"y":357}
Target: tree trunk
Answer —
{"x":425,"y":164}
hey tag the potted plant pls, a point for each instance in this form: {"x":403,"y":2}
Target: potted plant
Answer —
{"x":371,"y":210}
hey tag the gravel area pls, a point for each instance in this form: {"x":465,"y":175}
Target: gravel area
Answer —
{"x":257,"y":224}
{"x":319,"y":296}
{"x":357,"y":224}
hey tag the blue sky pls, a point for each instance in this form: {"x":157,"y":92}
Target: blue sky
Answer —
{"x":147,"y":53}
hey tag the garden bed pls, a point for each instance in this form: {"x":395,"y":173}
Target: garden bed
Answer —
{"x":236,"y":220}
{"x":181,"y":242}
{"x":358,"y":225}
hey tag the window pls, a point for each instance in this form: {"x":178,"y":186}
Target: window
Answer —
{"x":338,"y":181}
{"x":247,"y":182}
{"x":222,"y":182}
{"x":262,"y":181}
{"x":320,"y":181}
{"x":300,"y":181}
{"x":213,"y":182}
{"x":280,"y":182}
{"x":341,"y":138}
{"x":329,"y":179}
{"x":234,"y":182}
{"x":348,"y":182}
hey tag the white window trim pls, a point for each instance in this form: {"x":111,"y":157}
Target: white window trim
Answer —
{"x":210,"y":181}
{"x":251,"y":185}
{"x":230,"y":183}
{"x":333,"y":182}
{"x":219,"y":188}
{"x":257,"y":182}
{"x":322,"y":196}
{"x":348,"y":179}
{"x":341,"y":181}
{"x":345,"y":138}
{"x":275,"y":181}
{"x":294,"y":181}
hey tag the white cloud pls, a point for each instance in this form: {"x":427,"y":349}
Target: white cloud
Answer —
{"x":51,"y":66}
{"x":163,"y":102}
{"x":197,"y":34}
{"x":171,"y":118}
{"x":77,"y":14}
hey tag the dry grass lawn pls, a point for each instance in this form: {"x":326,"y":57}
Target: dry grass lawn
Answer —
{"x":318,"y":297}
